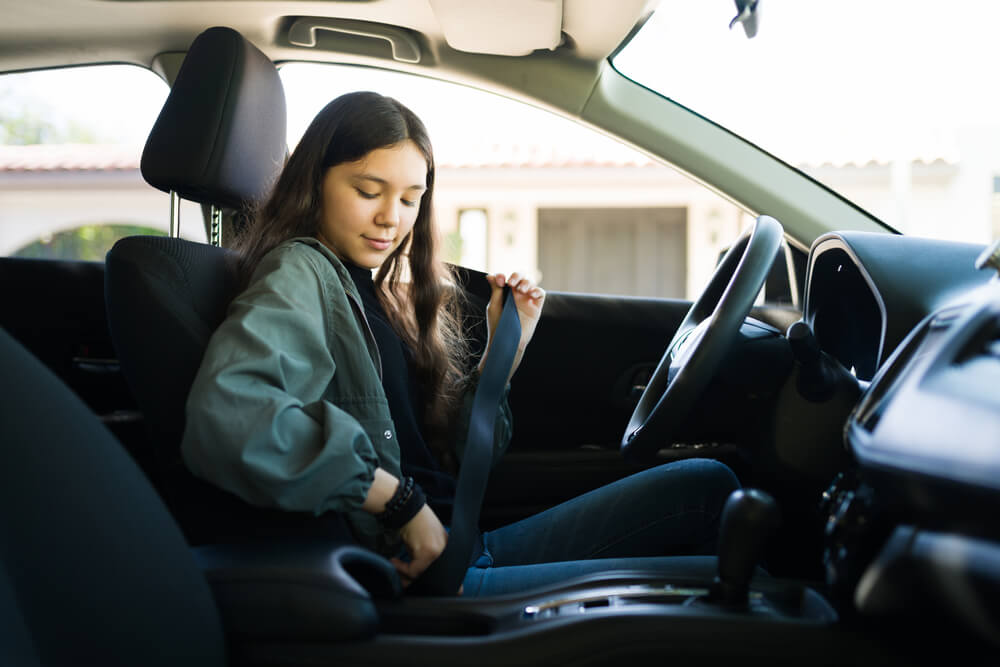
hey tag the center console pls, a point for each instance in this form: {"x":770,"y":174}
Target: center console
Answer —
{"x":344,"y":606}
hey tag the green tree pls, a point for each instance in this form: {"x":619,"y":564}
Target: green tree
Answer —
{"x":25,"y":121}
{"x":89,"y":242}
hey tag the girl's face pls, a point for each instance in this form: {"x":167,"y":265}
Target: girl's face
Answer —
{"x":369,"y":206}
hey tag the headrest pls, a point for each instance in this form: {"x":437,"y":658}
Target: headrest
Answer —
{"x":221,"y":135}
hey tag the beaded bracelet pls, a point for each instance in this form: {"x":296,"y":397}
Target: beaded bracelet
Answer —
{"x":405,"y":503}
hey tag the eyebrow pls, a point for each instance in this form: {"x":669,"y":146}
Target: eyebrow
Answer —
{"x":382,"y":181}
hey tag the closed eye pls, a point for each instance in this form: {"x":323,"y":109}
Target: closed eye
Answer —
{"x":410,"y":203}
{"x":366,"y":195}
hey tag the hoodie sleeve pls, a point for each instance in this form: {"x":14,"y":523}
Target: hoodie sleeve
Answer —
{"x":257,"y":424}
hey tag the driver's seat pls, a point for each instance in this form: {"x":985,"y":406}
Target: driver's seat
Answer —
{"x":219,"y":140}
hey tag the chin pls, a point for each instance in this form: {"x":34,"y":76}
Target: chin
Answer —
{"x":369,"y":261}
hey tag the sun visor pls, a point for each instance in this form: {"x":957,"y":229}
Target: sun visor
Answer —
{"x":509,"y":28}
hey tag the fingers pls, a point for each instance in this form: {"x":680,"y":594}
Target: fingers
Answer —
{"x":518,"y":283}
{"x":497,"y":280}
{"x":536,"y":293}
{"x":425,"y":539}
{"x":523,"y":285}
{"x":408,"y":572}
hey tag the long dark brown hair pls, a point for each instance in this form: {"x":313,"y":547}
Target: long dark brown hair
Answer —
{"x":424,"y":311}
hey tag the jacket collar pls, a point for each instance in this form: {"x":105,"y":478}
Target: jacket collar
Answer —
{"x":353,"y":296}
{"x":342,"y":272}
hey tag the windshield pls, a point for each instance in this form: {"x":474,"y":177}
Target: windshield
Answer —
{"x":894,"y":104}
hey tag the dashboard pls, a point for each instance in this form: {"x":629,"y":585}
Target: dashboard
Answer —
{"x":911,"y":523}
{"x":935,"y":408}
{"x":850,"y":324}
{"x":866,"y":292}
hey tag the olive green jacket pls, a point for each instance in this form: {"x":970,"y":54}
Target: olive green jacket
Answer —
{"x":287,"y":409}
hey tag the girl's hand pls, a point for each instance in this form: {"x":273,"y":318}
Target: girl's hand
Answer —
{"x":425,"y":539}
{"x":529,"y":299}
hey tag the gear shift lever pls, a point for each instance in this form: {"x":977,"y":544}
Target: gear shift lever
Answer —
{"x":749,"y":518}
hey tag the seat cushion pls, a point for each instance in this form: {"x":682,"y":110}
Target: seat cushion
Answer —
{"x":99,"y":571}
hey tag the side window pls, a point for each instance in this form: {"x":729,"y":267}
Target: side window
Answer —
{"x":518,"y":188}
{"x":70,"y":143}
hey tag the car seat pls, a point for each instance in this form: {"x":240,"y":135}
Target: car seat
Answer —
{"x":220,"y":141}
{"x":95,"y":571}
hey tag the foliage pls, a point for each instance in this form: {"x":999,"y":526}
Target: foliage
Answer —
{"x":89,"y":242}
{"x":27,"y":121}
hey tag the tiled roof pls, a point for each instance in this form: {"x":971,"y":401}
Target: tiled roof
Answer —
{"x":115,"y":157}
{"x":106,"y":157}
{"x":69,"y":157}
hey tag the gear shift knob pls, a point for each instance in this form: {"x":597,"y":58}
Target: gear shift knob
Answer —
{"x":749,"y":518}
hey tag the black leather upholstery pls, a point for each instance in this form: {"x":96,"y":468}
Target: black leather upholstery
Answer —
{"x":94,"y":570}
{"x":220,"y":137}
{"x":165,"y":298}
{"x":298,"y":590}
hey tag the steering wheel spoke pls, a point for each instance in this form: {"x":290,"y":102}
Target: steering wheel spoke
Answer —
{"x":707,"y":332}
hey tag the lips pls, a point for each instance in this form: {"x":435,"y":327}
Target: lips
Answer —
{"x":378,"y":244}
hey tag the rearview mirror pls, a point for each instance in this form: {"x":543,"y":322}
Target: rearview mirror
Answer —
{"x":747,"y":14}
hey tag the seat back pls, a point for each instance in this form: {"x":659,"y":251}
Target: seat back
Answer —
{"x":94,"y":570}
{"x":219,"y":140}
{"x":165,"y":296}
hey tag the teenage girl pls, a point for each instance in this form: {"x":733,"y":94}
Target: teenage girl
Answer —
{"x":340,"y":379}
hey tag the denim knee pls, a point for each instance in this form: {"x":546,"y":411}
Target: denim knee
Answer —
{"x":715,"y":479}
{"x":718,"y":475}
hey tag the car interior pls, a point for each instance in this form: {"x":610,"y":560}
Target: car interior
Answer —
{"x":862,"y":421}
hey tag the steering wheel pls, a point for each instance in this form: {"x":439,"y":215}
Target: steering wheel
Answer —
{"x":702,"y":340}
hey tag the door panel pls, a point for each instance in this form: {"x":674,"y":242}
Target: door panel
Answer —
{"x":56,"y":310}
{"x":572,"y":397}
{"x":573,"y":388}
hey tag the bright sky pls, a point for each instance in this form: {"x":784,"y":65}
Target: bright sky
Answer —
{"x":83,"y":95}
{"x":822,"y":81}
{"x":829,"y":78}
{"x":461,"y":121}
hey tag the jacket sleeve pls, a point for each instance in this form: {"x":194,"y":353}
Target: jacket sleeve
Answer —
{"x":503,"y":427}
{"x":257,"y":424}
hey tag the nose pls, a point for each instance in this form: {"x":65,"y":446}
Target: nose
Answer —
{"x":388,"y":214}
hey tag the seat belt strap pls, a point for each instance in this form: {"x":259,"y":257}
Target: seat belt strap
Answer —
{"x":446,"y":573}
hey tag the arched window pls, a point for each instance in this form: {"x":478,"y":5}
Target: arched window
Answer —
{"x":88,"y":242}
{"x":70,"y":147}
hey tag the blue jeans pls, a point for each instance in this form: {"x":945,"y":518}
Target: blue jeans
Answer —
{"x":655,"y":519}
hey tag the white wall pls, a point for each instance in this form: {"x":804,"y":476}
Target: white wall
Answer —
{"x":948,"y":201}
{"x":512,"y":197}
{"x":36,"y":205}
